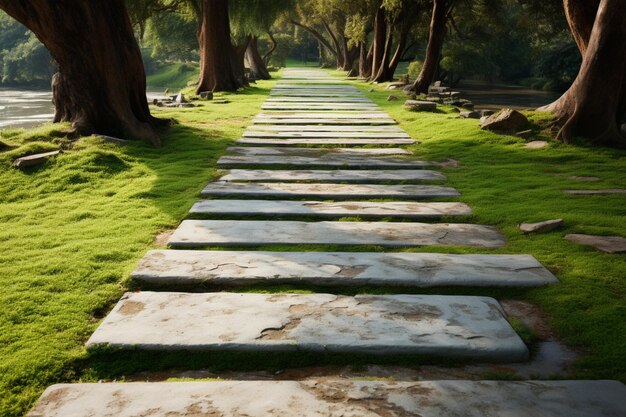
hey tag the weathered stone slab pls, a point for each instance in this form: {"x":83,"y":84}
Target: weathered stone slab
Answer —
{"x":447,"y":326}
{"x":309,"y":93}
{"x":608,"y":244}
{"x":541,"y":227}
{"x":325,"y":121}
{"x":332,"y":87}
{"x":321,"y":159}
{"x":228,"y":268}
{"x":339,"y":175}
{"x":326,"y":135}
{"x":312,"y":115}
{"x":341,"y":141}
{"x":327,"y":398}
{"x":597,"y":192}
{"x":33,"y":160}
{"x":323,"y":128}
{"x":334,"y":398}
{"x":201,"y":233}
{"x":320,"y":106}
{"x":317,"y":152}
{"x":363,"y":209}
{"x":326,"y":191}
{"x":318,"y":100}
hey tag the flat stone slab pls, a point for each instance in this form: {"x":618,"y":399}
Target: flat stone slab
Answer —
{"x":336,"y":398}
{"x":597,"y":192}
{"x":363,"y":209}
{"x":320,"y":106}
{"x":313,"y":115}
{"x":234,"y":268}
{"x":364,"y":176}
{"x":309,"y":93}
{"x":332,"y":87}
{"x":295,"y":151}
{"x":326,"y":135}
{"x":200,"y":233}
{"x":323,"y":128}
{"x":319,"y":100}
{"x":326,"y":191}
{"x":33,"y":160}
{"x":541,"y":227}
{"x":448,"y":326}
{"x":323,"y":141}
{"x":608,"y":244}
{"x":315,"y":157}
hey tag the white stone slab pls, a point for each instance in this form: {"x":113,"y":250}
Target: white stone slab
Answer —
{"x":318,"y":128}
{"x":339,"y":175}
{"x":318,"y":100}
{"x":315,"y":158}
{"x":289,"y":93}
{"x":330,"y":107}
{"x":453,"y":327}
{"x":325,"y":121}
{"x":332,"y":87}
{"x":326,"y":135}
{"x":319,"y":152}
{"x":233,"y":268}
{"x":343,"y":142}
{"x":326,"y":191}
{"x":201,"y":233}
{"x":336,"y":398}
{"x":313,"y":115}
{"x":363,"y":209}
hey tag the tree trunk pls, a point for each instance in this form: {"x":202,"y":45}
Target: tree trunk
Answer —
{"x":101,"y":83}
{"x":436,"y":37}
{"x":595,"y":104}
{"x":255,"y":61}
{"x":237,"y":56}
{"x":339,"y":55}
{"x":380,"y":40}
{"x":216,"y":69}
{"x":364,"y":65}
{"x":384,"y":73}
{"x":268,"y":56}
{"x":407,"y":25}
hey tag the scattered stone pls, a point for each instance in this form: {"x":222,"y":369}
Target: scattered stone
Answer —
{"x":469,"y":115}
{"x":396,"y":85}
{"x":483,"y":119}
{"x":180,"y":99}
{"x":466,"y":327}
{"x":155,"y":102}
{"x":33,"y":160}
{"x":327,"y":397}
{"x":541,"y":227}
{"x":392,"y":98}
{"x":583,"y":178}
{"x":597,"y":192}
{"x":206,"y":95}
{"x":536,"y":144}
{"x":221,"y":101}
{"x":468,"y":106}
{"x":115,"y":141}
{"x":507,"y":120}
{"x":608,"y":244}
{"x":525,"y":134}
{"x":419,"y":105}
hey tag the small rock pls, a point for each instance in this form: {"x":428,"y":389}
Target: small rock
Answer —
{"x":596,"y":192}
{"x":483,"y":119}
{"x":155,"y":102}
{"x":392,"y":98}
{"x":536,"y":144}
{"x":469,"y":115}
{"x":33,"y":160}
{"x":541,"y":227}
{"x":468,"y":105}
{"x":111,"y":139}
{"x":608,"y":244}
{"x":180,"y":99}
{"x":583,"y":178}
{"x":221,"y":101}
{"x":525,"y":134}
{"x":418,"y":105}
{"x":506,"y":120}
{"x":206,"y":95}
{"x":159,"y":104}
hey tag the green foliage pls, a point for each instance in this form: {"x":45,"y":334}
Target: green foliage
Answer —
{"x":284,"y":45}
{"x":173,"y":76}
{"x":558,"y":64}
{"x":414,"y":69}
{"x":172,"y":37}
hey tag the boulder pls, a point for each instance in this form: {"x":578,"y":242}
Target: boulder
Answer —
{"x":419,"y":105}
{"x":392,"y":98}
{"x":506,"y":120}
{"x":469,"y":115}
{"x":541,"y":227}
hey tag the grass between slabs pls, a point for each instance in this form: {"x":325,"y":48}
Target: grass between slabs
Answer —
{"x":74,"y":228}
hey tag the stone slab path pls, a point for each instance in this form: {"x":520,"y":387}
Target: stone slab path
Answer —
{"x":364,"y":176}
{"x":203,"y":233}
{"x":326,"y":191}
{"x":363,"y":209}
{"x":189,"y":268}
{"x":334,"y":398}
{"x":450,"y":326}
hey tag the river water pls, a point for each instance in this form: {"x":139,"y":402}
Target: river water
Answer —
{"x":29,"y":108}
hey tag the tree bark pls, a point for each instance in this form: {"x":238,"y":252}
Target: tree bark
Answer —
{"x":268,"y":56}
{"x":595,"y":104}
{"x":237,"y":57}
{"x":101,"y":83}
{"x":255,"y":61}
{"x":216,"y":68}
{"x":380,"y":40}
{"x":384,"y":73}
{"x":436,"y":36}
{"x":401,"y":49}
{"x":339,"y":55}
{"x":364,"y":64}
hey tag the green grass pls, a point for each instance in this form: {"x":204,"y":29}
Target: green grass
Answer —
{"x":74,"y":228}
{"x":173,"y":76}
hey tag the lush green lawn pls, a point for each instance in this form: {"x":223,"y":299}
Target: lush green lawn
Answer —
{"x":173,"y":75}
{"x":74,"y":229}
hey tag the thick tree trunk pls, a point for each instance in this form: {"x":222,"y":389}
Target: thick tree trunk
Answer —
{"x":407,"y":25}
{"x":101,"y":84}
{"x":216,"y":69}
{"x":436,"y":36}
{"x":255,"y":61}
{"x":595,"y":104}
{"x":237,"y":57}
{"x":380,"y":41}
{"x":365,"y":67}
